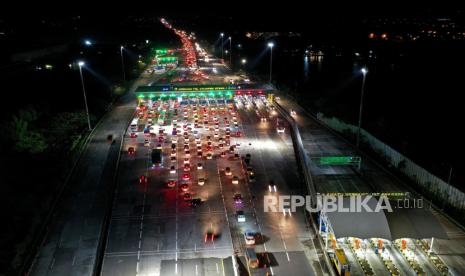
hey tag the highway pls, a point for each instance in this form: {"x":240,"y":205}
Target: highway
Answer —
{"x":154,"y":230}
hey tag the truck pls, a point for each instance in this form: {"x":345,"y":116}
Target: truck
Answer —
{"x":157,"y":158}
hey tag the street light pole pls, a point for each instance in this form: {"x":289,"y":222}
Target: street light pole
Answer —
{"x":230,"y":51}
{"x":81,"y":63}
{"x":271,"y":44}
{"x":122,"y":63}
{"x":364,"y":72}
{"x":222,"y":55}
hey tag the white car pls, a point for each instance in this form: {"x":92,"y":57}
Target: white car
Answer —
{"x":201,"y":181}
{"x":249,"y":237}
{"x":280,"y":129}
{"x":235,"y":180}
{"x":199,"y":166}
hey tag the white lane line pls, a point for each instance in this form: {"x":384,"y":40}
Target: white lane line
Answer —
{"x":137,"y":267}
{"x":52,"y":264}
{"x":140,"y":242}
{"x":287,"y":255}
{"x":217,"y":268}
{"x":176,"y":268}
{"x":74,"y":259}
{"x":158,"y":246}
{"x":271,"y":269}
{"x":196,"y":270}
{"x":195,"y":247}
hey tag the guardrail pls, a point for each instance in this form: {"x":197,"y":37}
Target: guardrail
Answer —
{"x":303,"y":161}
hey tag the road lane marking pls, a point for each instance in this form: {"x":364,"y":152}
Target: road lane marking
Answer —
{"x":196,"y":270}
{"x":217,"y":269}
{"x":271,"y":269}
{"x":288,"y":259}
{"x":74,"y":259}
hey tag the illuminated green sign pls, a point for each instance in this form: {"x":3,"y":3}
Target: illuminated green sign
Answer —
{"x":161,"y":51}
{"x":339,"y":160}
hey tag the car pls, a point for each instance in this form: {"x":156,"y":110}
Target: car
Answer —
{"x":252,"y":178}
{"x":199,"y":154}
{"x":249,"y":237}
{"x":133,"y":135}
{"x":215,"y":135}
{"x":173,"y":146}
{"x":235,"y":180}
{"x":160,"y":139}
{"x":249,"y":170}
{"x":240,"y":216}
{"x":171,"y":184}
{"x":223,"y":154}
{"x":172,"y":170}
{"x":209,"y":155}
{"x":187,"y":167}
{"x":186,"y":176}
{"x":280,"y":129}
{"x":201,"y":181}
{"x":227,"y":171}
{"x":173,"y":159}
{"x":209,"y":236}
{"x":237,"y":198}
{"x":187,"y":154}
{"x":146,"y":143}
{"x":186,"y":146}
{"x":186,"y":161}
{"x":195,"y":202}
{"x":173,"y":153}
{"x":236,"y":156}
{"x":159,"y":146}
{"x":131,"y":150}
{"x":272,"y":187}
{"x":184,"y":187}
{"x":199,"y":166}
{"x":238,"y":133}
{"x":293,"y":113}
{"x":143,"y":179}
{"x":187,"y":197}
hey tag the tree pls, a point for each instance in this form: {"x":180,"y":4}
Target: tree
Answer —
{"x":25,"y":139}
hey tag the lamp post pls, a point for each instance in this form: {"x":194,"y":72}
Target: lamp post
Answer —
{"x":364,"y":72}
{"x":81,"y":63}
{"x":122,"y":63}
{"x":230,"y":51}
{"x":222,"y":55}
{"x":271,"y":45}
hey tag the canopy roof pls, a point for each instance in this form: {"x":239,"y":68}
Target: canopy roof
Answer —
{"x":415,"y":223}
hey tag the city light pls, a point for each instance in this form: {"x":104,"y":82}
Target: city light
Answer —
{"x":88,"y":42}
{"x":81,"y":63}
{"x":270,"y":44}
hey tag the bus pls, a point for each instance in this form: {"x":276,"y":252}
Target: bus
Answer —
{"x":157,"y":158}
{"x":340,"y":260}
{"x":134,"y":123}
{"x":251,"y":258}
